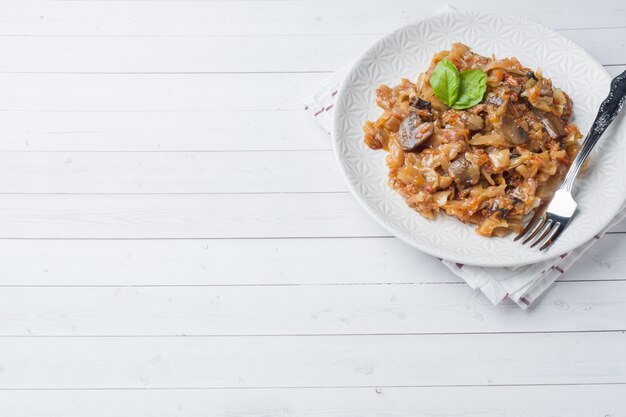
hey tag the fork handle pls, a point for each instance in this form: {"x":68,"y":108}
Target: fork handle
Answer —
{"x":609,"y":109}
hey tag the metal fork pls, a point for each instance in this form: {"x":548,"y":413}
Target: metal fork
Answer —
{"x":549,"y":222}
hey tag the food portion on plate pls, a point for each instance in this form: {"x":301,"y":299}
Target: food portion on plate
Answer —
{"x":483,"y":139}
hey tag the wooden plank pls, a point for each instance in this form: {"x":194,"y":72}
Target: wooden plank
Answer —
{"x":158,"y":18}
{"x":184,"y":216}
{"x":298,"y":53}
{"x":294,"y":53}
{"x":303,"y":310}
{"x":217,"y":262}
{"x":155,"y":92}
{"x":538,"y":401}
{"x":329,"y":361}
{"x":150,"y":216}
{"x":605,"y":260}
{"x":601,"y":44}
{"x":619,"y":228}
{"x":169,"y":172}
{"x":268,"y":262}
{"x":615,"y":70}
{"x":161,"y":131}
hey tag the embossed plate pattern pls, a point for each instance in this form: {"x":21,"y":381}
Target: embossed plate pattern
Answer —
{"x":407,"y":52}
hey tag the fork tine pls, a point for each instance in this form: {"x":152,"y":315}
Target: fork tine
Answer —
{"x":558,"y":230}
{"x":540,"y":225}
{"x":531,"y":224}
{"x":547,"y":229}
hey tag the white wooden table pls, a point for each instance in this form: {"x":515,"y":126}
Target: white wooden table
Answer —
{"x":176,"y":240}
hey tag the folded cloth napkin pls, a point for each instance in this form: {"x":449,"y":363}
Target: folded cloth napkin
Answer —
{"x":522,"y":284}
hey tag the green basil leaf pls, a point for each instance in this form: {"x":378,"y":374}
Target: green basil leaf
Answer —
{"x":445,"y":81}
{"x":472,"y":89}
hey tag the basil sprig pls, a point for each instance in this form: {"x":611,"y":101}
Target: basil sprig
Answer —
{"x":459,"y":91}
{"x":445,"y":81}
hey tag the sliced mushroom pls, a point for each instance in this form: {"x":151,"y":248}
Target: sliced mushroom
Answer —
{"x":418,"y":103}
{"x":552,"y":124}
{"x":472,"y":121}
{"x":512,"y":131}
{"x":464,"y":172}
{"x":547,"y":124}
{"x":413,"y":132}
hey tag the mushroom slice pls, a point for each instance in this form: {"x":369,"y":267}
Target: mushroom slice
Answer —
{"x":552,"y":124}
{"x":413,"y":132}
{"x":464,"y":172}
{"x":472,"y":121}
{"x":512,"y":131}
{"x":418,"y":103}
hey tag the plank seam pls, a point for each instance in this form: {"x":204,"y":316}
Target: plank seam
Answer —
{"x":315,"y":387}
{"x":308,"y":335}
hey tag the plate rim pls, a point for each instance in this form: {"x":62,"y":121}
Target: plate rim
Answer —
{"x":432,"y":250}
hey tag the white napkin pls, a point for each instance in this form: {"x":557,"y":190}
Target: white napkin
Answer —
{"x":523,"y":284}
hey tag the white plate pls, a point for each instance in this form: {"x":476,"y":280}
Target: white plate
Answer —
{"x":407,"y":52}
